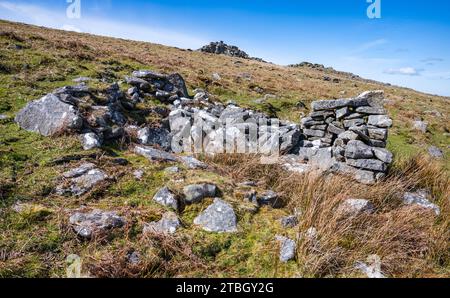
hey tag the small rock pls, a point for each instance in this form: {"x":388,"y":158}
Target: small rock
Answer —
{"x":355,"y":207}
{"x":287,"y":248}
{"x":420,"y":198}
{"x":167,"y":225}
{"x":166,"y":198}
{"x":138,"y":174}
{"x":218,"y":217}
{"x":269,"y":198}
{"x":155,"y":154}
{"x":81,"y":183}
{"x":90,"y":141}
{"x":172,"y":170}
{"x":289,"y":221}
{"x":87,"y":225}
{"x":373,"y":270}
{"x":435,"y":152}
{"x":81,"y":170}
{"x":420,"y":126}
{"x":193,"y":163}
{"x":196,"y":192}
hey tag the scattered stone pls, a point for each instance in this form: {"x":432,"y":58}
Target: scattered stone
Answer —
{"x":138,"y":174}
{"x":172,"y":170}
{"x":87,"y":225}
{"x":167,"y":198}
{"x":435,"y":152}
{"x":90,"y":141}
{"x":420,"y":126}
{"x":355,"y":207}
{"x":193,"y":163}
{"x":269,"y":198}
{"x":373,"y":270}
{"x":82,"y":180}
{"x":196,"y":192}
{"x":155,"y":154}
{"x":218,"y":217}
{"x":81,"y":170}
{"x":167,"y":225}
{"x":421,"y":198}
{"x":289,"y":221}
{"x":287,"y":248}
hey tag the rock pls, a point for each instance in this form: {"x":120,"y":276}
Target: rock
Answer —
{"x":81,"y":170}
{"x":87,"y":225}
{"x":373,"y":98}
{"x":155,"y":154}
{"x":420,"y":198}
{"x":289,"y":221}
{"x":138,"y":174}
{"x":368,"y":164}
{"x":82,"y":183}
{"x":342,"y":112}
{"x":355,"y":207}
{"x":167,"y":225}
{"x":358,"y":150}
{"x":330,"y":104}
{"x":353,"y":122}
{"x":371,"y":110}
{"x":216,"y":77}
{"x":179,"y":86}
{"x":381,"y":121}
{"x":269,"y":198}
{"x":196,"y":192}
{"x":322,"y":159}
{"x":218,"y":217}
{"x":222,"y":48}
{"x":193,"y":163}
{"x":378,"y":134}
{"x":31,"y":211}
{"x":90,"y":141}
{"x":435,"y":152}
{"x":134,"y":258}
{"x":3,"y":117}
{"x":155,"y":137}
{"x":314,"y":133}
{"x":373,"y":270}
{"x":49,"y":116}
{"x":362,"y":176}
{"x":420,"y":126}
{"x":172,"y":170}
{"x":384,"y":155}
{"x":287,"y":248}
{"x":335,"y":130}
{"x":348,"y":136}
{"x":167,"y":198}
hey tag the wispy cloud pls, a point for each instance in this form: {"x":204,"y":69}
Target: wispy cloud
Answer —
{"x":405,"y":71}
{"x":33,"y":14}
{"x":370,"y":45}
{"x":432,"y":61}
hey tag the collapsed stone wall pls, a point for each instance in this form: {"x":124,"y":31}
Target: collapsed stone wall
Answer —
{"x":351,"y":134}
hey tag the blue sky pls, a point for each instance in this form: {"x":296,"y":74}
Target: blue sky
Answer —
{"x":409,"y":46}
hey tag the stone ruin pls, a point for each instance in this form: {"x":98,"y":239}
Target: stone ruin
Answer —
{"x":351,"y":134}
{"x":221,"y":48}
{"x":346,"y":136}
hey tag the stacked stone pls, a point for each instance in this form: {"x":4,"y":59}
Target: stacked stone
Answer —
{"x":356,"y":129}
{"x":166,"y":88}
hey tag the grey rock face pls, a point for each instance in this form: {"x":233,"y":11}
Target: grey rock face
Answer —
{"x":155,"y":154}
{"x":167,"y":225}
{"x":218,"y":217}
{"x":48,"y":116}
{"x":287,"y":248}
{"x":87,"y":225}
{"x":381,"y":121}
{"x":166,"y":198}
{"x":90,"y":141}
{"x":421,"y":198}
{"x":196,"y":192}
{"x":354,"y":207}
{"x":435,"y":152}
{"x":358,"y":150}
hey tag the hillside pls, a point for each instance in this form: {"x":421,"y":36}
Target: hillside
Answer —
{"x":35,"y":240}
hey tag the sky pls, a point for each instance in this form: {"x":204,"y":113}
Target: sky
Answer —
{"x":409,"y":45}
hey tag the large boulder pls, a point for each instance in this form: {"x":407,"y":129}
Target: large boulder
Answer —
{"x":218,"y":217}
{"x":49,"y":116}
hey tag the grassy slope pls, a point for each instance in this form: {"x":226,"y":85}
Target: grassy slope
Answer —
{"x":34,"y":61}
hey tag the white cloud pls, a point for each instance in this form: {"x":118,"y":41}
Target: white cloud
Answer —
{"x":406,"y":71}
{"x":36,"y":15}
